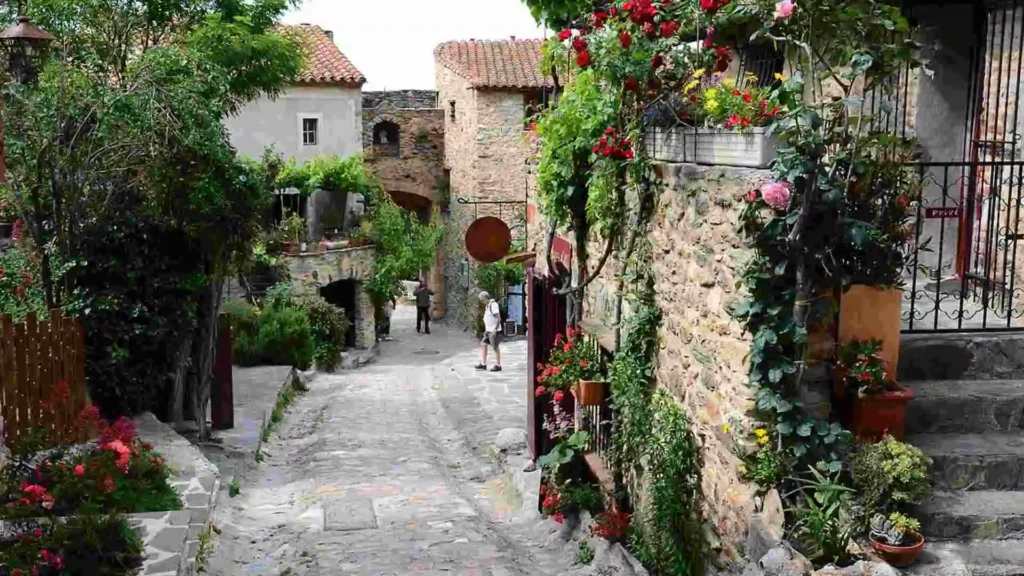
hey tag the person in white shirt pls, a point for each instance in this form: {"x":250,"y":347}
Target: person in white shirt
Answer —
{"x":492,"y":332}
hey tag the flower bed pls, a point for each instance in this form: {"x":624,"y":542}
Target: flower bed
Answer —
{"x":64,"y":507}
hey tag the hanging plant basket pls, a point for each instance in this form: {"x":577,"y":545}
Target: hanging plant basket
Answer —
{"x":884,"y":413}
{"x":900,"y":556}
{"x":590,"y":392}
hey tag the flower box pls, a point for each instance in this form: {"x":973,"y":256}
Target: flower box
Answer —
{"x":880,"y":414}
{"x":751,"y":148}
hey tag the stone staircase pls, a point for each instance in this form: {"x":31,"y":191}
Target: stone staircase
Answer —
{"x":968,"y":416}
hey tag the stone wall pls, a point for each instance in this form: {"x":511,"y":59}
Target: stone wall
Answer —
{"x":401,"y":99}
{"x":486,"y":151}
{"x":697,"y":257}
{"x":348,"y":264}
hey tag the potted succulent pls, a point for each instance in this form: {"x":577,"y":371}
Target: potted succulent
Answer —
{"x":897,"y":539}
{"x":879,"y":404}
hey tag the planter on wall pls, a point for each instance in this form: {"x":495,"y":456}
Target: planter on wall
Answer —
{"x":751,"y":148}
{"x":868,"y":313}
{"x":878,"y":415}
{"x":590,"y":392}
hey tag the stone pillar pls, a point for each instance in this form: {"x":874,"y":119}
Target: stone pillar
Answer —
{"x":366,"y":326}
{"x":436,"y":280}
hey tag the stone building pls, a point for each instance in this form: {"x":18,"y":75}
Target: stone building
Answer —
{"x":320,"y":114}
{"x":487,"y":90}
{"x":403,"y":142}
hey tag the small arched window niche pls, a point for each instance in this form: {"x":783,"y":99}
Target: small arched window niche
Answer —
{"x":385,"y":138}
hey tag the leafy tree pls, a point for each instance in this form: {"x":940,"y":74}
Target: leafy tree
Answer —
{"x":118,"y":150}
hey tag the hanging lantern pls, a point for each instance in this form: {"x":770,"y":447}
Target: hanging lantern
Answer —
{"x":27,"y":47}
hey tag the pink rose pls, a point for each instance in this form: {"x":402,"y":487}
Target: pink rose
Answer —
{"x":784,"y":9}
{"x":776,"y":194}
{"x":752,"y":196}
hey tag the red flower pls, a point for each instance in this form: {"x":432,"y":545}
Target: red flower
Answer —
{"x":649,"y":30}
{"x":37,"y":533}
{"x":583,"y":363}
{"x":565,"y":35}
{"x":745,"y":122}
{"x":20,"y":291}
{"x":583,"y":59}
{"x":631,"y":84}
{"x":657,"y":61}
{"x":108,"y":484}
{"x":558,"y":517}
{"x":864,"y":377}
{"x":559,"y":396}
{"x":599,"y":19}
{"x":747,"y":98}
{"x":567,"y":347}
{"x":735,"y":92}
{"x":539,"y":391}
{"x":26,"y":280}
{"x":669,"y":29}
{"x":579,"y":45}
{"x":625,"y":39}
{"x":752,"y":196}
{"x":79,"y":470}
{"x":629,"y":155}
{"x":903,"y":201}
{"x":1,"y":273}
{"x":709,"y":42}
{"x":710,"y":6}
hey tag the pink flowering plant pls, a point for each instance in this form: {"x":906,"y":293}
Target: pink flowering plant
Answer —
{"x":571,"y":360}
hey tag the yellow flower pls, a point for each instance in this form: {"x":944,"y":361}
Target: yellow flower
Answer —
{"x":779,"y":77}
{"x":760,"y":432}
{"x":729,"y":82}
{"x":762,"y":440}
{"x":698,"y":73}
{"x":690,"y":86}
{"x":727,"y":428}
{"x":711,"y":106}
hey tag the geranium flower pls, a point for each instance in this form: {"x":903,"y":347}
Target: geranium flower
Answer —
{"x":631,"y":84}
{"x":540,"y":391}
{"x":657,"y":61}
{"x":559,"y":396}
{"x":784,"y":9}
{"x":579,"y":45}
{"x":776,"y":194}
{"x":565,"y":35}
{"x":752,"y":196}
{"x":625,"y":39}
{"x":583,"y":59}
{"x":79,"y":470}
{"x":669,"y":29}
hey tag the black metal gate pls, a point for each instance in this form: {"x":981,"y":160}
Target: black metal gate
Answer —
{"x":962,"y":272}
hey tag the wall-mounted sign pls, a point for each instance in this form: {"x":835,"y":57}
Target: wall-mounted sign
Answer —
{"x":942,"y":213}
{"x":488,"y":239}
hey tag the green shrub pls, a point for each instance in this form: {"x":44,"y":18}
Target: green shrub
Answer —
{"x":79,"y":545}
{"x":890,"y":474}
{"x":243,"y":318}
{"x":328,"y":325}
{"x":285,"y":338}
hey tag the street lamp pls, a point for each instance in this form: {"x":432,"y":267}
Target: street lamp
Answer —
{"x":27,"y":47}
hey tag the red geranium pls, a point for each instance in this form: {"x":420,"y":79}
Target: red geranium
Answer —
{"x":583,"y":59}
{"x":565,"y":35}
{"x":669,"y":29}
{"x":625,"y":39}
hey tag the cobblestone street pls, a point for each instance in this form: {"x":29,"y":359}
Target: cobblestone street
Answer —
{"x":390,"y":470}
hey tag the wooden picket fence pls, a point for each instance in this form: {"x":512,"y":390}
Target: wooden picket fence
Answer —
{"x":35,"y":358}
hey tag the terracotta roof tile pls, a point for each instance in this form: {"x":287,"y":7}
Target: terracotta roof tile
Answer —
{"x":326,"y":64}
{"x":496,"y":64}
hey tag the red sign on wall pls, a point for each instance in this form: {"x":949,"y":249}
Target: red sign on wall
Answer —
{"x":942,"y":213}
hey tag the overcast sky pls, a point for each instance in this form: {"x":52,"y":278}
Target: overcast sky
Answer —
{"x":392,"y":41}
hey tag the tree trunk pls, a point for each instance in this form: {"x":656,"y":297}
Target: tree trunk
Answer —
{"x":182,"y":362}
{"x":204,"y":354}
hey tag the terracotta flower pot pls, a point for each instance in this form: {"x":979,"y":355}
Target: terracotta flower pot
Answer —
{"x":590,"y":392}
{"x":868,"y":313}
{"x":900,"y":556}
{"x":877,"y":415}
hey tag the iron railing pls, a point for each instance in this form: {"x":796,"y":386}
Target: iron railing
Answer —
{"x":962,"y":272}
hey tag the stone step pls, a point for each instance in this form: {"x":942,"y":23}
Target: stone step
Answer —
{"x":980,"y":515}
{"x":992,"y":461}
{"x":951,"y":406}
{"x":977,"y":558}
{"x":974,"y":356}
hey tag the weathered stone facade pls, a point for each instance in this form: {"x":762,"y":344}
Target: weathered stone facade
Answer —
{"x":486,"y":151}
{"x":340,"y":265}
{"x":697,"y":257}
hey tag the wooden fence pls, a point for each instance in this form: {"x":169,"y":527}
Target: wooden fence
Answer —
{"x":37,"y":358}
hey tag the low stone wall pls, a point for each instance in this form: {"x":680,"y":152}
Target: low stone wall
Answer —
{"x":697,"y":257}
{"x":172,"y":538}
{"x":346,"y":264}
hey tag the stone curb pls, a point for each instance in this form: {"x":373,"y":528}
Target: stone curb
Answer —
{"x":172,"y":539}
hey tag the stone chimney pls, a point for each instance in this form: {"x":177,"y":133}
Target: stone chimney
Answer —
{"x":330,"y":34}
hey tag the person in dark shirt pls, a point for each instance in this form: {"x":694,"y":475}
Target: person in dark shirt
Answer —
{"x":423,"y":294}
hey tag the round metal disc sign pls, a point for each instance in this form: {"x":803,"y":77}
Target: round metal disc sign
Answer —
{"x":488,"y":239}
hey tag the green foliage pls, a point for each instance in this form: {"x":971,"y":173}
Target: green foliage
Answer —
{"x":890,"y":475}
{"x":288,"y":394}
{"x":404,"y":246}
{"x":557,"y":14}
{"x":119,"y":165}
{"x":235,"y":488}
{"x":563,"y":453}
{"x":585,"y":553}
{"x":494,"y":278}
{"x":84,"y":545}
{"x":894,"y":529}
{"x":864,"y":367}
{"x":825,"y":521}
{"x":243,"y":320}
{"x":285,"y":338}
{"x":766,"y":467}
{"x":328,"y":325}
{"x":332,"y":173}
{"x":21,"y":291}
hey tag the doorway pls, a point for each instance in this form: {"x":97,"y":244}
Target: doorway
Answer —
{"x":342,"y":293}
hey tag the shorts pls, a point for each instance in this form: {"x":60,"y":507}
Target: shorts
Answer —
{"x":492,"y":339}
